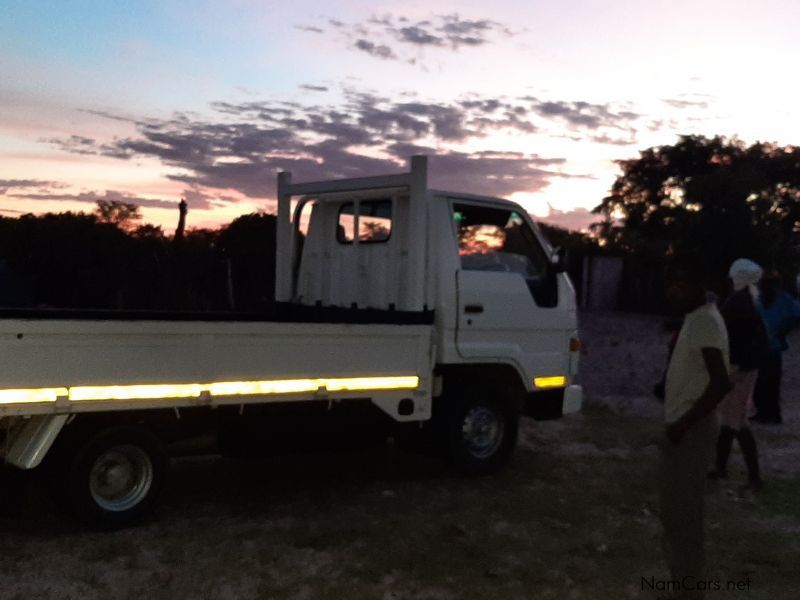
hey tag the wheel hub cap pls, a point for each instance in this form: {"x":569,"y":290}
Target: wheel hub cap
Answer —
{"x":482,"y":431}
{"x":121,"y":478}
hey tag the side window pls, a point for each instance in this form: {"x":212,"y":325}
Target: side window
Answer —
{"x":495,"y":239}
{"x":346,"y":227}
{"x":374,"y":222}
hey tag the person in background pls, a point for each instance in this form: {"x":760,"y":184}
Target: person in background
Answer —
{"x":697,"y":380}
{"x":781,"y":313}
{"x":747,"y":335}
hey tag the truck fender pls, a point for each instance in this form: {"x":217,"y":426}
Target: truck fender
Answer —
{"x":33,"y":440}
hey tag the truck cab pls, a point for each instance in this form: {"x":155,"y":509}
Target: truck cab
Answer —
{"x":499,"y":294}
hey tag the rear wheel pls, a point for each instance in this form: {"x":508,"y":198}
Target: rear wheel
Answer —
{"x":114,"y":478}
{"x":479,"y":429}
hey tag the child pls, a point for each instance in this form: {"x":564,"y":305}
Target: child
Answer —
{"x":697,"y":380}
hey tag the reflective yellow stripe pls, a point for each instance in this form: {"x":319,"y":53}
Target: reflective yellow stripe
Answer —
{"x":550,"y":382}
{"x":240,"y":388}
{"x":134,"y":392}
{"x":222,"y":388}
{"x":30,"y":396}
{"x":353,"y":384}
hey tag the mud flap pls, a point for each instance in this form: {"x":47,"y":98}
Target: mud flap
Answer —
{"x":31,"y":442}
{"x":553,"y":404}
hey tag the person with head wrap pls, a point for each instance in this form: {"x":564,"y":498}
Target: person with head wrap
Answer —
{"x":781,"y":312}
{"x":748,"y":341}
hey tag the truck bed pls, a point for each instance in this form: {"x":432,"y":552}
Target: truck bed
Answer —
{"x":60,"y":361}
{"x":278,"y":312}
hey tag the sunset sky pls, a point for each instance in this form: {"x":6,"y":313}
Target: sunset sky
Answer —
{"x":152,"y":101}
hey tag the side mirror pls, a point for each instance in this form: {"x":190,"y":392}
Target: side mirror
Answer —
{"x":558,"y":258}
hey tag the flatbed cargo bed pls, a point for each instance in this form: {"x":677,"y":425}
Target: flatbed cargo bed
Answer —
{"x":59,"y":362}
{"x":279,"y":312}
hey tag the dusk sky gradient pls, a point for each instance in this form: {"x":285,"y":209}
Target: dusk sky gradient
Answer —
{"x":152,"y":101}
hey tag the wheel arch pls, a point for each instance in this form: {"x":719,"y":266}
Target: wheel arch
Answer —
{"x":501,"y":376}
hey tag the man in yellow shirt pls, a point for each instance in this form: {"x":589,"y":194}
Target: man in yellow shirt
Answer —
{"x":697,"y":380}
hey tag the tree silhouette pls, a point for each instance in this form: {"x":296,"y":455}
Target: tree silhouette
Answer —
{"x":247,"y":245}
{"x":67,"y":259}
{"x":373,"y":231}
{"x":77,"y":260}
{"x":715,"y":198}
{"x":115,"y":212}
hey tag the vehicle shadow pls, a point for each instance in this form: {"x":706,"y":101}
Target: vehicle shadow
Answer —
{"x":208,"y":484}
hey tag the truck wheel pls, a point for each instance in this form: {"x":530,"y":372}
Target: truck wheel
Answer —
{"x":115,"y":478}
{"x":480,"y":431}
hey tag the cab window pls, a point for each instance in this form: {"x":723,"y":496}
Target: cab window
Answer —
{"x":496,"y":239}
{"x":374,"y":222}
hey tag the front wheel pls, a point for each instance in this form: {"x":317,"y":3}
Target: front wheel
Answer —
{"x":115,"y":478}
{"x":480,"y":430}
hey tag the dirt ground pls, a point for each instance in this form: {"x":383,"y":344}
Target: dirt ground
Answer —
{"x":573,"y":516}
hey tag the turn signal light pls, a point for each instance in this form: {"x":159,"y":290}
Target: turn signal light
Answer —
{"x":550,"y":382}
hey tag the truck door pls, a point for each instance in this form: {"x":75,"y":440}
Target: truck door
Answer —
{"x":512,"y":305}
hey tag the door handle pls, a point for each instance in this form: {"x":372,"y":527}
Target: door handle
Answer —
{"x":473,"y":308}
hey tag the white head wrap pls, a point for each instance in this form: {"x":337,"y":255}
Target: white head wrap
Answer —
{"x":745,"y":274}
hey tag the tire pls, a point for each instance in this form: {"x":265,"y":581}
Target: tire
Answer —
{"x":114,"y":478}
{"x":479,"y":430}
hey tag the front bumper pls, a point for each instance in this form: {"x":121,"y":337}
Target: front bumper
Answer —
{"x":553,"y":404}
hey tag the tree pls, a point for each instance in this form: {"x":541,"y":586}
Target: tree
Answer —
{"x":716,"y":198}
{"x":68,"y":260}
{"x":148,"y":231}
{"x":248,"y":246}
{"x":116,"y":212}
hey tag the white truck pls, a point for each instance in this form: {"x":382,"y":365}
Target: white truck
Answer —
{"x":400,"y":311}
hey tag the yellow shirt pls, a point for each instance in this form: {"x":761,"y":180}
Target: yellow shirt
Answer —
{"x":687,"y":375}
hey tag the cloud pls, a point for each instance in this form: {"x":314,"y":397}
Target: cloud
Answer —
{"x":486,"y":173}
{"x":677,"y":103}
{"x":77,"y":144}
{"x":580,"y":114}
{"x":9,"y":184}
{"x":51,"y":191}
{"x":240,"y":146}
{"x":689,"y":101}
{"x":377,"y":50}
{"x":391,"y":37}
{"x":92,"y":197}
{"x":465,"y":32}
{"x":613,"y":141}
{"x":417,"y":35}
{"x":576,"y":219}
{"x":198,"y":198}
{"x":243,"y":145}
{"x":313,"y":88}
{"x":309,"y":28}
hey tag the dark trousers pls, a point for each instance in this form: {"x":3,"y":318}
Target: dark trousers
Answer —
{"x":682,"y":476}
{"x":767,"y":393}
